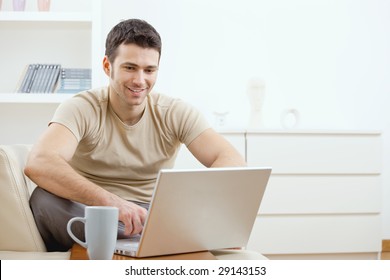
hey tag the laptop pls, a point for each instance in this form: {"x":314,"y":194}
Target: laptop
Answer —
{"x":195,"y":210}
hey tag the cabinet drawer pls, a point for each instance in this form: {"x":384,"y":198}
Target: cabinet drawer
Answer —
{"x":312,"y":234}
{"x":300,"y":153}
{"x":322,"y":194}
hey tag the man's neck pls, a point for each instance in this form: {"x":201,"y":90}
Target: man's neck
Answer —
{"x":129,"y":115}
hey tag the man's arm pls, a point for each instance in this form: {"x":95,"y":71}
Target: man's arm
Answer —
{"x":213,"y":150}
{"x":48,"y":167}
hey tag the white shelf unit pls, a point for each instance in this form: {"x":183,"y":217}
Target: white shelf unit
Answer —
{"x":45,"y":17}
{"x":70,"y":34}
{"x":71,"y":38}
{"x":33,"y":98}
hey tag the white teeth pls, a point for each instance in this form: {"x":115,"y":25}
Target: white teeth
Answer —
{"x":135,"y":90}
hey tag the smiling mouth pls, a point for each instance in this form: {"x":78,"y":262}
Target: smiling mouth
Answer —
{"x":136,"y":91}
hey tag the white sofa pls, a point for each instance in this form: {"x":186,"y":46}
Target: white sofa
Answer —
{"x":19,"y":236}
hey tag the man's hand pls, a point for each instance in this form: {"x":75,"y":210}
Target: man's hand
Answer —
{"x":133,"y":216}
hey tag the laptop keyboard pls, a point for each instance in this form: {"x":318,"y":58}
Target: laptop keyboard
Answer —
{"x":132,"y":242}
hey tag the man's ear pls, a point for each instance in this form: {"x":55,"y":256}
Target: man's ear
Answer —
{"x":107,"y":66}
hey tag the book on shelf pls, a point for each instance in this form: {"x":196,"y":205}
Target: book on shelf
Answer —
{"x":40,"y":78}
{"x":52,"y":78}
{"x":73,"y":80}
{"x":26,"y":79}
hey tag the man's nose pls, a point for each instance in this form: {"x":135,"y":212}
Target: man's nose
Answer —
{"x":139,"y":77}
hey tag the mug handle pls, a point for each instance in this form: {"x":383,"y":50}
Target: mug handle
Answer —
{"x":68,"y":228}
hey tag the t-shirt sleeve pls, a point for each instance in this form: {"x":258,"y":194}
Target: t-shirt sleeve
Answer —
{"x":76,"y":114}
{"x":186,"y":121}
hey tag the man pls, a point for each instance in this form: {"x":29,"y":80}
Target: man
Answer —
{"x":105,"y":146}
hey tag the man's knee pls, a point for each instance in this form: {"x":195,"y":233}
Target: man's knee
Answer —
{"x":39,"y":200}
{"x":51,"y":214}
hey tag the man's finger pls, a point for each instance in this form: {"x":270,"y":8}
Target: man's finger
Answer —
{"x":137,"y":225}
{"x":128,"y":228}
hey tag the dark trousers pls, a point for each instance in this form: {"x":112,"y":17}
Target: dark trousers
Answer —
{"x":52,"y":213}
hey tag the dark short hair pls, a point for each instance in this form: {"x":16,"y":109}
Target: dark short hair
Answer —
{"x":132,"y":31}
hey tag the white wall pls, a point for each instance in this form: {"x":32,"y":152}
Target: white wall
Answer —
{"x":329,"y":59}
{"x":24,"y":123}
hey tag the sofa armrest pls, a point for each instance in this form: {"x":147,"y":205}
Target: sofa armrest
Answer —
{"x":18,"y":231}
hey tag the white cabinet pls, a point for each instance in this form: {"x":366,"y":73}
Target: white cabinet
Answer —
{"x":323,"y":199}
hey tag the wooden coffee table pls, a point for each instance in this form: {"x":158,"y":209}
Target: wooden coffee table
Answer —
{"x":80,"y":253}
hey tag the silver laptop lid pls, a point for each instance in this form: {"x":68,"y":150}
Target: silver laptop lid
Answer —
{"x":202,"y":209}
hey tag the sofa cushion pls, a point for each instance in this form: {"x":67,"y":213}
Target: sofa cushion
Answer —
{"x":18,"y":231}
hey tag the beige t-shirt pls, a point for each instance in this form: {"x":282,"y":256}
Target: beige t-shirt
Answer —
{"x":123,"y":159}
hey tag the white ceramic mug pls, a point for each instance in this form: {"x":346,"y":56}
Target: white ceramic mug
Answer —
{"x":101,"y":227}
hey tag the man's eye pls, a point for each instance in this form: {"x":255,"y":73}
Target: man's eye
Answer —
{"x":150,"y":71}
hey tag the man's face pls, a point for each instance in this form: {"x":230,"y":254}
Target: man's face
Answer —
{"x":133,"y":73}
